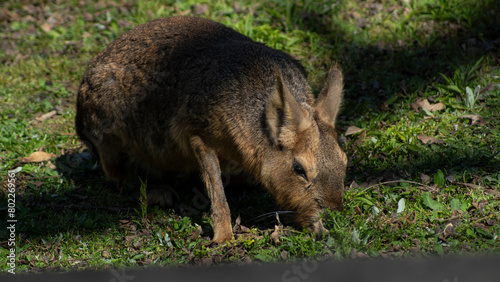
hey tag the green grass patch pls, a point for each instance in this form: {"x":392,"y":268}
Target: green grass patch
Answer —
{"x":405,"y":196}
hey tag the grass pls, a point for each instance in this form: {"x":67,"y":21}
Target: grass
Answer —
{"x":403,"y":197}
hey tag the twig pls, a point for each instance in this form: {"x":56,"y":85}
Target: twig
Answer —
{"x":451,"y":218}
{"x":429,"y":188}
{"x":483,"y":218}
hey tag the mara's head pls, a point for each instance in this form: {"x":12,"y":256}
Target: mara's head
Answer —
{"x":305,"y":171}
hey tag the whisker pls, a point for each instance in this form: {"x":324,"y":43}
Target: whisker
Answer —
{"x":269,"y":214}
{"x":273,"y":214}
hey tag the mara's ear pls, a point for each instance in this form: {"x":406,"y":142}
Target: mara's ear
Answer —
{"x":285,"y":117}
{"x":330,"y":99}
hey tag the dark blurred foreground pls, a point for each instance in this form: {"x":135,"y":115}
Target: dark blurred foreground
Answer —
{"x":457,"y":269}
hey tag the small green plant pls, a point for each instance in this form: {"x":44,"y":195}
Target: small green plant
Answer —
{"x":471,"y":97}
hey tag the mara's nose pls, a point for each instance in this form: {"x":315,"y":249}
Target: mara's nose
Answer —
{"x":337,"y":205}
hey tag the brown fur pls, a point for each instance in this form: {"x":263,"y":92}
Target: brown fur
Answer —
{"x":187,"y":93}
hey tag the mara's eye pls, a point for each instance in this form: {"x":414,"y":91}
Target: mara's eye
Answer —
{"x":299,"y":169}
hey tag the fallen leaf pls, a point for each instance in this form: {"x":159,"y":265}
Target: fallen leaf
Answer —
{"x":196,"y":233}
{"x":450,"y":178}
{"x":238,"y":228}
{"x":38,"y":183}
{"x":46,"y":27}
{"x":426,"y":179}
{"x":492,"y":192}
{"x":449,"y":230}
{"x":342,"y":139}
{"x":476,"y":119}
{"x":361,"y":22}
{"x":207,"y":261}
{"x":424,"y":104}
{"x":361,"y":255}
{"x":127,"y":224}
{"x":352,"y":130}
{"x":146,"y":261}
{"x":51,"y":166}
{"x":130,"y":238}
{"x":137,"y":244}
{"x":353,"y":185}
{"x":47,"y":116}
{"x":199,"y":9}
{"x":37,"y":157}
{"x":58,"y":110}
{"x":437,"y":107}
{"x":481,"y":226}
{"x":401,"y":205}
{"x":429,"y":140}
{"x":284,"y":255}
{"x":9,"y":47}
{"x":244,"y":229}
{"x":237,"y":223}
{"x":237,"y":8}
{"x":275,"y":236}
{"x":479,"y":205}
{"x":470,"y":185}
{"x":491,"y":222}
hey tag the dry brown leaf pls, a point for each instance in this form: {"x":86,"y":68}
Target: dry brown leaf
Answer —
{"x":199,"y":9}
{"x":491,"y":222}
{"x":244,"y":229}
{"x":492,"y":192}
{"x":426,"y":179}
{"x":449,"y":230}
{"x":429,"y":140}
{"x":476,"y":119}
{"x":127,"y":225}
{"x":352,"y":130}
{"x":284,"y":255}
{"x":37,"y":157}
{"x":482,"y":226}
{"x":361,"y":255}
{"x":275,"y":236}
{"x":38,"y":183}
{"x":437,"y":107}
{"x":196,"y":233}
{"x":9,"y":47}
{"x":51,"y":165}
{"x":46,"y":27}
{"x":450,"y":178}
{"x":106,"y":254}
{"x":237,"y":223}
{"x":426,"y":105}
{"x":137,"y":244}
{"x":130,"y":238}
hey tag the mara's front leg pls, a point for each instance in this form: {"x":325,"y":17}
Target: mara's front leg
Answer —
{"x":211,"y":174}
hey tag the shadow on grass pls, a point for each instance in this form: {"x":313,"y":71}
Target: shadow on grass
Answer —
{"x":88,"y":203}
{"x":376,"y":74}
